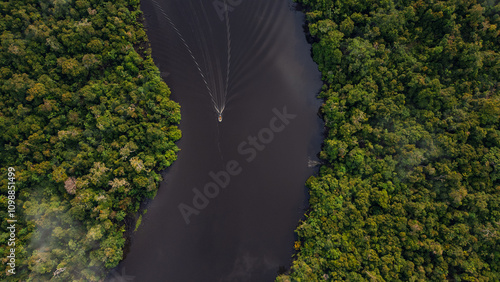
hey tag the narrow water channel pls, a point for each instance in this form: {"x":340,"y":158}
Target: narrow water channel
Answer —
{"x":227,"y":208}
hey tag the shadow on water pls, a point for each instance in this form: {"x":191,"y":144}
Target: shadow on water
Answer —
{"x":251,"y":63}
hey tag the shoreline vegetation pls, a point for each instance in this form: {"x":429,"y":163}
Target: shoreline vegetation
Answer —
{"x":410,"y":189}
{"x":87,"y":124}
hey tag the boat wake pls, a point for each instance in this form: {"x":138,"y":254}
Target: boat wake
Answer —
{"x":210,"y":70}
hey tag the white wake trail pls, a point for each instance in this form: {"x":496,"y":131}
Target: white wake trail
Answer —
{"x":211,"y":83}
{"x":187,"y":47}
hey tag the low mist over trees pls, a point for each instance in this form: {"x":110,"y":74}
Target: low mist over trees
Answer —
{"x":87,"y":123}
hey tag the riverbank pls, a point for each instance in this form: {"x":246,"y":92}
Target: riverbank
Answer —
{"x":87,"y":125}
{"x":243,"y":230}
{"x":409,"y":189}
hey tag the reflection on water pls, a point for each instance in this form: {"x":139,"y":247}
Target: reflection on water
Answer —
{"x":248,"y":59}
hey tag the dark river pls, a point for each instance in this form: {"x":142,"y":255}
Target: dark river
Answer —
{"x":228,"y":207}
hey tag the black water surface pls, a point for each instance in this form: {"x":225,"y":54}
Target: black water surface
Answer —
{"x":246,"y":232}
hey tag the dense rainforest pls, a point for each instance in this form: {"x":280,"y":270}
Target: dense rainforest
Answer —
{"x":87,"y":124}
{"x":410,"y":186}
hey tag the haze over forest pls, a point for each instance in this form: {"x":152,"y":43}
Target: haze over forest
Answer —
{"x":409,"y":183}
